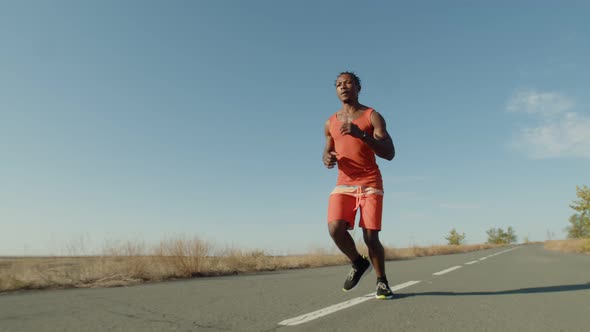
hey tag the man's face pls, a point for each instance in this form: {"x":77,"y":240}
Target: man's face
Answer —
{"x":346,"y":89}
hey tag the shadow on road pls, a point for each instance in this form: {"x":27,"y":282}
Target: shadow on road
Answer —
{"x":532,"y":290}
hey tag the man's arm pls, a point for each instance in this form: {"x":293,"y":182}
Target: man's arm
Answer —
{"x":329,"y":156}
{"x":380,"y":142}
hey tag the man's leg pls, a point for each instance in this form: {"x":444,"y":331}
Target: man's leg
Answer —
{"x":371,"y":213}
{"x":341,"y":213}
{"x":376,"y":251}
{"x":377,"y":255}
{"x":360,"y":265}
{"x":339,"y":233}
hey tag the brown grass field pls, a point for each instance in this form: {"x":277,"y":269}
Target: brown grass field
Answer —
{"x":181,"y":258}
{"x":570,"y":245}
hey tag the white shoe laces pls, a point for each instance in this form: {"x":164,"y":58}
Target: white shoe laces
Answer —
{"x":382,"y":285}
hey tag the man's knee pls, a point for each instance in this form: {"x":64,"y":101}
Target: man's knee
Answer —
{"x":337,"y":227}
{"x":371,"y":238}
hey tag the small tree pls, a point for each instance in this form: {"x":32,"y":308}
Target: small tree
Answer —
{"x":579,"y":227}
{"x":511,"y":235}
{"x":494,"y":235}
{"x":583,"y":204}
{"x":580,"y":222}
{"x":499,"y":236}
{"x":455,"y":238}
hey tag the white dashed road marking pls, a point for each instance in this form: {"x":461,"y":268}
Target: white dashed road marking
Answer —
{"x":347,"y":304}
{"x":328,"y":310}
{"x":447,"y":270}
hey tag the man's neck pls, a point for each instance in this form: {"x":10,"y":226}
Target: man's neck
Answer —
{"x":351,"y":107}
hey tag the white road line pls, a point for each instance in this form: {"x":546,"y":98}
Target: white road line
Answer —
{"x":490,"y":256}
{"x":328,"y":310}
{"x":347,"y":304}
{"x":447,"y":270}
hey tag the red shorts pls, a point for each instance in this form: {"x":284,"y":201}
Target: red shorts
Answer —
{"x":344,"y":207}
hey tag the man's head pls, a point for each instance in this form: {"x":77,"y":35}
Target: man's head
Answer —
{"x":348,"y":87}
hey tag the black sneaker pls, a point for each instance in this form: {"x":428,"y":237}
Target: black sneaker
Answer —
{"x":383,"y":291}
{"x":356,"y":274}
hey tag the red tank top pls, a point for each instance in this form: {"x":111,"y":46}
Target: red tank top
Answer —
{"x":357,"y":165}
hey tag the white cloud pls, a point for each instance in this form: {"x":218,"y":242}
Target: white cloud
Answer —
{"x":568,"y":136}
{"x":542,"y":103}
{"x":558,"y":132}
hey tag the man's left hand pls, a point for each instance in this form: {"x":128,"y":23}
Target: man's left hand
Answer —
{"x":351,"y":129}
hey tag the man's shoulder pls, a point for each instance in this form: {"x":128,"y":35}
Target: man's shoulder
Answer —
{"x":329,"y":121}
{"x":368,"y":109}
{"x":332,"y":116}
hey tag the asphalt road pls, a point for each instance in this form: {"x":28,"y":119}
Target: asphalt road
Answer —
{"x":523,"y":289}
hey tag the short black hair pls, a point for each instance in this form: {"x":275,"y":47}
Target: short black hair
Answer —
{"x":355,"y":78}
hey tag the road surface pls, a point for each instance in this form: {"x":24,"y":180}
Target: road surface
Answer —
{"x":521,"y":288}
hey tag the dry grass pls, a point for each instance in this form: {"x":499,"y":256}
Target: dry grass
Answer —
{"x":392,"y":253}
{"x":570,"y":245}
{"x":130,"y":263}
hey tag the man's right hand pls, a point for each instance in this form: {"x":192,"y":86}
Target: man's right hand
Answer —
{"x":330,"y":158}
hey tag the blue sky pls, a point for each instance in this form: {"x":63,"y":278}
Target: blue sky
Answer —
{"x":144,"y":120}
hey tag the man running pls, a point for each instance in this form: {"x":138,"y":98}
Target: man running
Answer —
{"x":354,"y":135}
